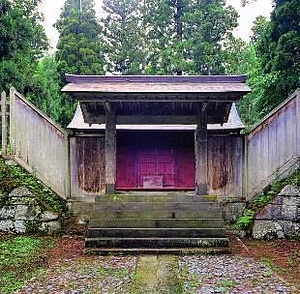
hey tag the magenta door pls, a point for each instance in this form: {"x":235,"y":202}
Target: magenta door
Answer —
{"x":156,"y":169}
{"x":155,"y":161}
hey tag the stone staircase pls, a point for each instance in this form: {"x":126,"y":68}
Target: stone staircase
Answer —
{"x":156,"y":223}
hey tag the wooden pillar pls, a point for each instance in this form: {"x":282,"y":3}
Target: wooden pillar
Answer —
{"x":110,"y":150}
{"x":4,"y":124}
{"x":201,"y":151}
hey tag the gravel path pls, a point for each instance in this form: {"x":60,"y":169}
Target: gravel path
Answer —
{"x":229,"y":274}
{"x":86,"y":275}
{"x":197,"y":274}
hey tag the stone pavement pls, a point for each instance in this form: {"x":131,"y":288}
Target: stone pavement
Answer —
{"x":158,"y":274}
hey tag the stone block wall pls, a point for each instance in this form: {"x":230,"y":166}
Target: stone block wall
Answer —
{"x":24,"y":214}
{"x":281,"y":218}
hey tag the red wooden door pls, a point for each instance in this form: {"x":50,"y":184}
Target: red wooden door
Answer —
{"x":126,"y":177}
{"x":155,"y":161}
{"x":156,"y":169}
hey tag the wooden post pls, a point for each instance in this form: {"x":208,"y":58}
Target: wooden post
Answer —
{"x":110,"y":150}
{"x":4,"y":123}
{"x":201,"y":150}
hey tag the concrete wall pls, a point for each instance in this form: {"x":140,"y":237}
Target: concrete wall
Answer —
{"x":273,"y":146}
{"x":39,"y":145}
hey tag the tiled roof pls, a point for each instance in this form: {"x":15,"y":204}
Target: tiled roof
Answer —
{"x":155,"y":84}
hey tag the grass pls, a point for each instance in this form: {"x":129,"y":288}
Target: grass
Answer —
{"x":189,"y":282}
{"x":225,"y":285}
{"x":21,"y":258}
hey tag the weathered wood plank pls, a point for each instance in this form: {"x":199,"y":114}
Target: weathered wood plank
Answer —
{"x":225,"y":165}
{"x":201,"y":152}
{"x":87,"y":166}
{"x":110,"y":150}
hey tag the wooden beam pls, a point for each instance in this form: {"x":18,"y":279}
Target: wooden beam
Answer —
{"x":110,"y":150}
{"x":146,"y":119}
{"x":157,"y":97}
{"x":4,"y":124}
{"x":201,"y":152}
{"x":151,"y":120}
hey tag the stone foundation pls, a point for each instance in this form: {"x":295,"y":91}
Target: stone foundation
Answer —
{"x":232,"y":209}
{"x":24,"y":214}
{"x":281,"y":218}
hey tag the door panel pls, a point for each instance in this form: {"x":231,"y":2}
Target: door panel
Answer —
{"x":155,"y":160}
{"x":126,"y":169}
{"x":156,"y":163}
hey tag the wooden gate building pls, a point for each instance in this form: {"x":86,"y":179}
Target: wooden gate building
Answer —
{"x":156,"y":133}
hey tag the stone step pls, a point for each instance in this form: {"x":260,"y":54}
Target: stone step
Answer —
{"x":136,"y":250}
{"x":156,"y":232}
{"x":155,"y":242}
{"x":176,"y":206}
{"x":156,"y":214}
{"x":147,"y":197}
{"x":156,"y":223}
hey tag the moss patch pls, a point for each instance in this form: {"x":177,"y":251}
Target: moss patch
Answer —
{"x":21,"y":258}
{"x":156,"y":274}
{"x":245,"y":221}
{"x":13,"y":176}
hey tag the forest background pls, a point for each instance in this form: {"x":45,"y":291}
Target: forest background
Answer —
{"x":176,"y":37}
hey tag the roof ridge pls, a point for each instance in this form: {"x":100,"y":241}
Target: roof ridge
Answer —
{"x":77,"y":79}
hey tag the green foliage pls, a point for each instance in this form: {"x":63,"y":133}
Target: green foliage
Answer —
{"x":270,"y":265}
{"x":225,"y":285}
{"x":245,"y":220}
{"x":20,"y":248}
{"x":189,"y":281}
{"x":20,"y":259}
{"x":167,"y":37}
{"x":79,"y":47}
{"x":208,"y":25}
{"x":268,"y":195}
{"x":45,"y":92}
{"x":79,"y":50}
{"x":113,"y":272}
{"x":275,"y":65}
{"x":264,"y":198}
{"x":22,"y":42}
{"x":123,"y":36}
{"x":278,"y":50}
{"x":240,"y":58}
{"x":12,"y":176}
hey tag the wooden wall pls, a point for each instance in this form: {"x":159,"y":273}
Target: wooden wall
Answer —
{"x":39,"y":145}
{"x":87,"y":159}
{"x":225,"y":165}
{"x":273,"y":146}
